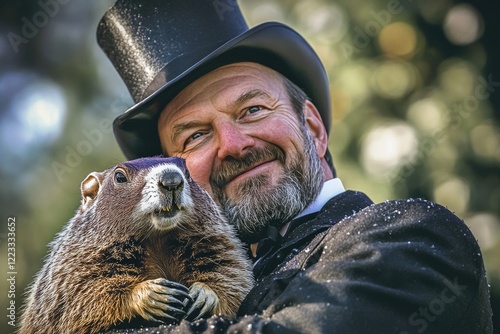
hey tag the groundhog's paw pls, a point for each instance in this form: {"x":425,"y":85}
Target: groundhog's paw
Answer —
{"x":204,"y":301}
{"x":160,"y":300}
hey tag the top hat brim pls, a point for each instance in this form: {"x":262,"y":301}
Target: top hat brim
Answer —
{"x":271,"y":44}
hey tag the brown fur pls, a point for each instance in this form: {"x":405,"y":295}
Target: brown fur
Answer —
{"x":97,"y":274}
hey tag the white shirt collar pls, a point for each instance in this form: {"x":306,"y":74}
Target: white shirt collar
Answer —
{"x":331,"y":188}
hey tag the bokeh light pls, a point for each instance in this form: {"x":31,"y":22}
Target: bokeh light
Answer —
{"x":393,"y":79}
{"x":265,"y":11}
{"x":485,"y":141}
{"x":427,"y":114}
{"x":434,"y":11}
{"x":446,"y":194}
{"x":33,"y":120}
{"x":457,"y":78}
{"x":386,"y":148}
{"x":486,"y":228}
{"x":398,"y":39}
{"x":325,"y":22}
{"x":352,"y":79}
{"x":463,"y":24}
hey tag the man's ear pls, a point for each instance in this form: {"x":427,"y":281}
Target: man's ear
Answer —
{"x":90,"y":187}
{"x":315,"y":125}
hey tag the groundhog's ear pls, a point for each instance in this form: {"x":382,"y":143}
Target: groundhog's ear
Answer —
{"x":90,"y":187}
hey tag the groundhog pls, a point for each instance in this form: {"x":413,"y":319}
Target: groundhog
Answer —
{"x":143,"y":233}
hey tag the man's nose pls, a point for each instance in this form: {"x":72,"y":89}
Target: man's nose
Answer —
{"x":233,"y":141}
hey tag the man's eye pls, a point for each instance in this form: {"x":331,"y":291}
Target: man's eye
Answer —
{"x":195,"y":135}
{"x":254,"y":109}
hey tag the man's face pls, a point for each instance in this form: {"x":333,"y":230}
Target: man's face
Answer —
{"x":244,"y":144}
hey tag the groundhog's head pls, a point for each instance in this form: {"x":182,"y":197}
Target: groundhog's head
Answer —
{"x":143,"y":194}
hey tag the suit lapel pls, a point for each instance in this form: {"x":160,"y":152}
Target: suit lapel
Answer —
{"x":304,"y":229}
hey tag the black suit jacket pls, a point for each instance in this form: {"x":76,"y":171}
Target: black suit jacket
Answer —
{"x":407,"y":266}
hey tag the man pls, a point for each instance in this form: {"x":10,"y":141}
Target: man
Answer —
{"x":249,"y":110}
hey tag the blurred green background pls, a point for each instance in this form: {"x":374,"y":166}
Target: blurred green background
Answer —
{"x":415,"y":87}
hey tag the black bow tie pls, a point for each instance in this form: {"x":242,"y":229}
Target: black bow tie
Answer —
{"x":272,"y":238}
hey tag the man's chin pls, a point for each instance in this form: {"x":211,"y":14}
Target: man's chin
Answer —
{"x":258,"y":186}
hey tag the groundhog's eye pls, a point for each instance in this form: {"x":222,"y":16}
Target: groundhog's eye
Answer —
{"x":186,"y":173}
{"x":120,"y":177}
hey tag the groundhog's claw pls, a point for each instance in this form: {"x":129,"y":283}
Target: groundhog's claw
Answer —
{"x":160,"y":300}
{"x":204,"y":301}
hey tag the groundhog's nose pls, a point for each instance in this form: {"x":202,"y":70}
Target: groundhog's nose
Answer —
{"x":170,"y":181}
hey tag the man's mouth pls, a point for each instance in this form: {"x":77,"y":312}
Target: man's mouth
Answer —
{"x":252,"y":164}
{"x":244,"y":172}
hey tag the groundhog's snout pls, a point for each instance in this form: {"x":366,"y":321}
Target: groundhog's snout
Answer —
{"x":166,"y":194}
{"x":171,"y":180}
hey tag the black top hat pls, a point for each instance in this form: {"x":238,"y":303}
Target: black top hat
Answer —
{"x":160,"y":47}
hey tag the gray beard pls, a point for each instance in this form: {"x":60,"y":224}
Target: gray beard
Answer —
{"x":254,"y":208}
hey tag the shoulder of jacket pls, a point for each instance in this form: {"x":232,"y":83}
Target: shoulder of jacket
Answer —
{"x":408,"y":219}
{"x":418,"y":212}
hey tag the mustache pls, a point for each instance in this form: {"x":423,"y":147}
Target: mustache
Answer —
{"x":231,"y":168}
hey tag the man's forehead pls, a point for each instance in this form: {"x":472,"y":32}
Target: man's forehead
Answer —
{"x":227,"y":82}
